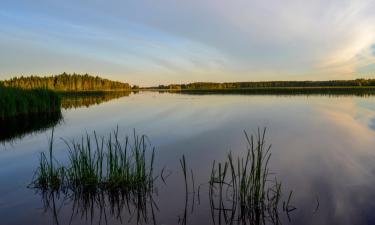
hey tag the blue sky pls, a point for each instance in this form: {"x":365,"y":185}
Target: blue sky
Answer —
{"x":167,"y":41}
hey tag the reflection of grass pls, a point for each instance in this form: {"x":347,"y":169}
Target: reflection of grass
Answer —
{"x":19,"y":126}
{"x":99,"y":207}
{"x":109,"y":166}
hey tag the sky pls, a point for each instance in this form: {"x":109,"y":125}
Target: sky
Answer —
{"x":149,"y":42}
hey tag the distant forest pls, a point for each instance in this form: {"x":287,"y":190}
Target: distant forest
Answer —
{"x":269,"y":84}
{"x":66,"y":82}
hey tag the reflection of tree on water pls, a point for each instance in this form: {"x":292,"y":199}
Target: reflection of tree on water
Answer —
{"x":19,"y":126}
{"x":76,"y":100}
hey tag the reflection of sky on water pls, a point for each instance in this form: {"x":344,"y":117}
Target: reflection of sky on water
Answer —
{"x":322,"y":148}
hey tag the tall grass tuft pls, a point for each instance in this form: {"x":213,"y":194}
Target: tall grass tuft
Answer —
{"x":127,"y":166}
{"x":85,"y":164}
{"x":241,"y":188}
{"x":100,"y":164}
{"x":49,"y":175}
{"x":16,"y":102}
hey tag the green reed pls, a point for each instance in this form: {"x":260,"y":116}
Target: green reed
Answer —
{"x":241,"y":189}
{"x":100,"y":164}
{"x":119,"y":172}
{"x":16,"y":101}
{"x":127,"y":166}
{"x":49,"y":175}
{"x":85,"y":164}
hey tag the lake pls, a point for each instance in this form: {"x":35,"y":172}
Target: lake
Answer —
{"x":323,"y":149}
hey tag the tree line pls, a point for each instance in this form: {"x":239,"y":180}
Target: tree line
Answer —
{"x":66,"y":82}
{"x":270,"y":84}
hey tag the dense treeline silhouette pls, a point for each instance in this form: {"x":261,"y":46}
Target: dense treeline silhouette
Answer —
{"x":271,"y":84}
{"x":66,"y":82}
{"x":17,"y":102}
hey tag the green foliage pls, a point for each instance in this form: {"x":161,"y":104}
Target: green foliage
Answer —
{"x":66,"y":82}
{"x":16,"y":102}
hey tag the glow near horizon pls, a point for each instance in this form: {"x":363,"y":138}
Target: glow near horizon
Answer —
{"x":186,"y":41}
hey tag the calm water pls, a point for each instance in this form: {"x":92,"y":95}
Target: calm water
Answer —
{"x":323,"y":148}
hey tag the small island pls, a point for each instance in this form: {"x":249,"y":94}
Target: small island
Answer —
{"x":22,"y":96}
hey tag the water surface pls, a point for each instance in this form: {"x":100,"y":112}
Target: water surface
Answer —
{"x":322,"y":149}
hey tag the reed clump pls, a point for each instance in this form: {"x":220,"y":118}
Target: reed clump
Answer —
{"x":101,"y":164}
{"x":16,"y":102}
{"x":49,"y":175}
{"x":241,"y":188}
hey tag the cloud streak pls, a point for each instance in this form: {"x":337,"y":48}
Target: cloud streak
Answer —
{"x":183,"y":41}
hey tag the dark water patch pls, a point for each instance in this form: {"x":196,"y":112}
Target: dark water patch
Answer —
{"x":19,"y":126}
{"x":99,"y":207}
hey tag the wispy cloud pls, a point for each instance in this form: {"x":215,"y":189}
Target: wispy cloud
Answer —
{"x":192,"y":40}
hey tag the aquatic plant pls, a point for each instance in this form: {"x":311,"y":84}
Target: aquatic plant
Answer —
{"x":117,"y":175}
{"x":85,"y":165}
{"x":241,"y":189}
{"x":105,"y":164}
{"x":101,"y":174}
{"x":16,"y":101}
{"x":49,"y":175}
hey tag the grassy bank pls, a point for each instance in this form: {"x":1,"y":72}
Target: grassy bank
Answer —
{"x":20,"y":102}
